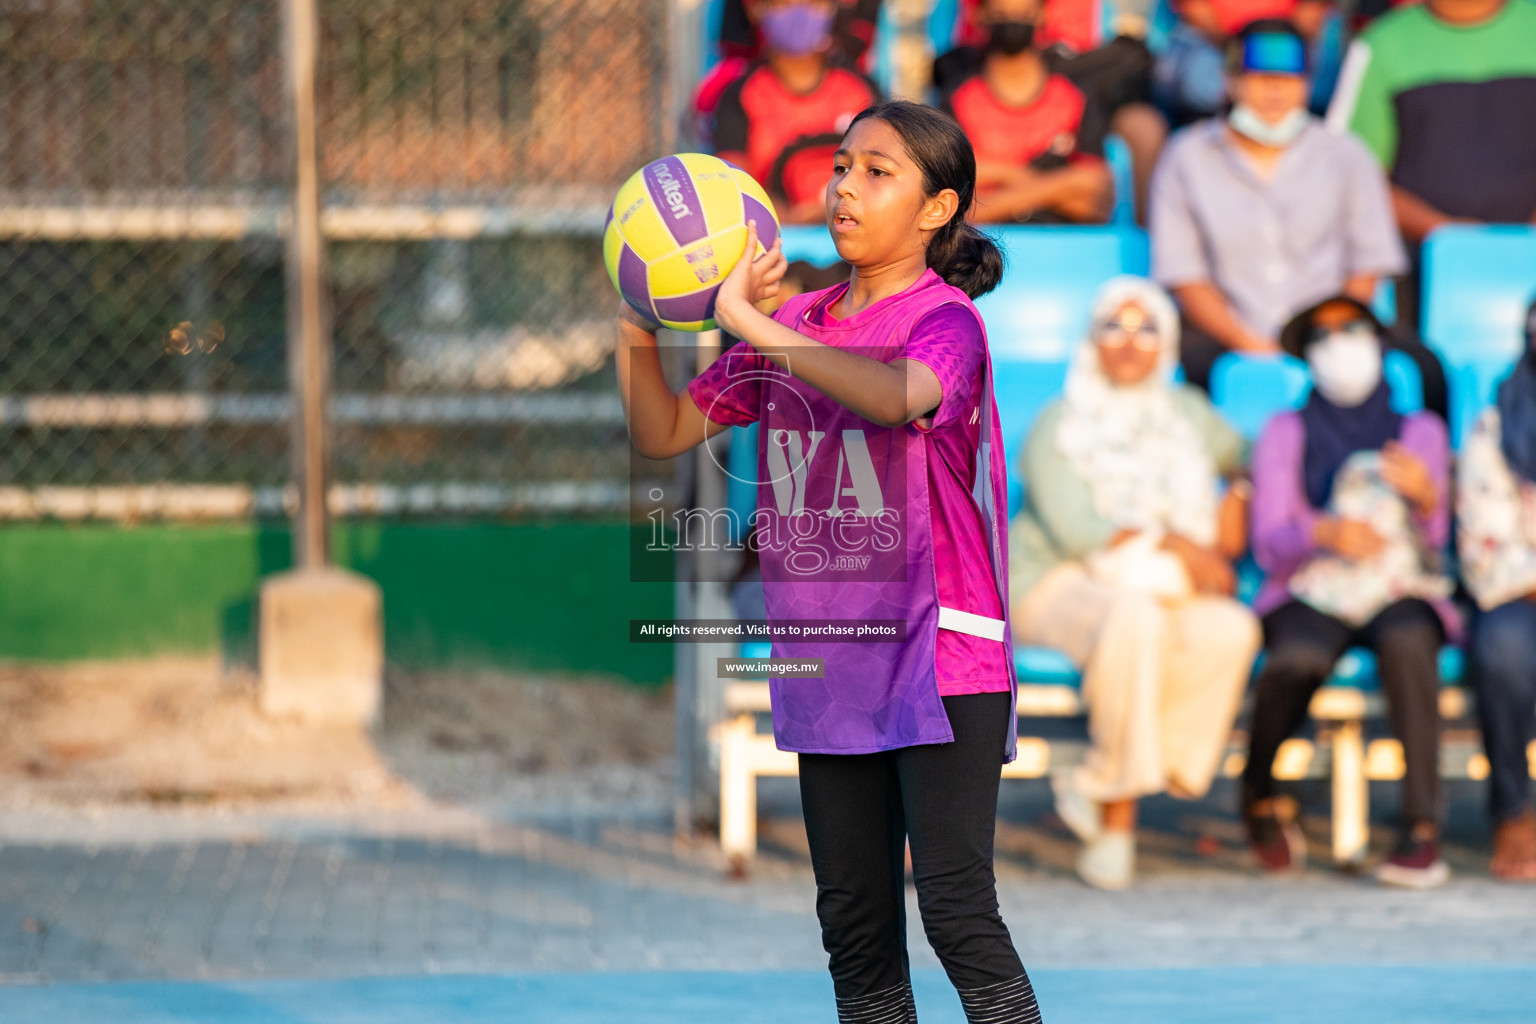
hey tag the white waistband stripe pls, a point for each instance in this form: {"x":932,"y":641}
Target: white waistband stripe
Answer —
{"x":967,"y":622}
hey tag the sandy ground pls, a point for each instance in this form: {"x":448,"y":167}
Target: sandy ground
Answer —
{"x":182,"y":731}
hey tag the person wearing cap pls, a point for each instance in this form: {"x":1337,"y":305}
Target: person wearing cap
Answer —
{"x":1496,"y":538}
{"x":1263,"y":212}
{"x":1351,"y":506}
{"x":1188,"y":81}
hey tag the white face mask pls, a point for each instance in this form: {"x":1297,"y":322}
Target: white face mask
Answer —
{"x":1346,"y":367}
{"x":1245,"y":121}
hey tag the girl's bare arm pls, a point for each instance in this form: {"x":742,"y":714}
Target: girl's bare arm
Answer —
{"x":661,"y":424}
{"x":889,"y":394}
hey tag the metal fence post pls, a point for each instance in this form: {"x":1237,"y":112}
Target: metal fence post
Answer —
{"x":308,"y":312}
{"x":711,"y":600}
{"x":696,"y":689}
{"x":321,"y":639}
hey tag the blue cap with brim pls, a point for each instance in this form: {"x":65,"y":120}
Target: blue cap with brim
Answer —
{"x":1274,"y":53}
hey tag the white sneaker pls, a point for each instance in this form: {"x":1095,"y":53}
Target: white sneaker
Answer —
{"x":1082,"y":815}
{"x":1109,"y":862}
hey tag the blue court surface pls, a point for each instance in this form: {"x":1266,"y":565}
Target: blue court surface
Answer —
{"x":1464,"y":994}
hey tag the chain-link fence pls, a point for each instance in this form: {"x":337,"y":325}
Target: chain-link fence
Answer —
{"x":468,"y":151}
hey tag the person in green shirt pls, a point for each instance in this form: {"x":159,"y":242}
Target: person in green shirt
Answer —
{"x":1444,"y":94}
{"x":1122,"y":559}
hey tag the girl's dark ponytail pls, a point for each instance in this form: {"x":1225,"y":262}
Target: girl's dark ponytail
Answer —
{"x":957,"y":252}
{"x":965,"y":257}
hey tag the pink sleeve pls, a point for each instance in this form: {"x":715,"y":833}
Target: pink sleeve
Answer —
{"x":729,"y":390}
{"x":948,"y":341}
{"x":1424,"y":435}
{"x":1283,"y":519}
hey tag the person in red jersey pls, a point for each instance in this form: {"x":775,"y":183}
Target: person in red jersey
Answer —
{"x":783,"y":120}
{"x":740,"y":46}
{"x":1039,"y":139}
{"x":1101,"y":47}
{"x":853,"y":32}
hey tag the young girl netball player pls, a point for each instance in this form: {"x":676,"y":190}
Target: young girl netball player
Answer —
{"x":880,"y":477}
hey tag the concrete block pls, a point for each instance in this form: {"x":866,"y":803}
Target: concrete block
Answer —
{"x":322,"y":647}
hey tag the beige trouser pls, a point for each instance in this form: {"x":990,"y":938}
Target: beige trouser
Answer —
{"x":1163,"y":682}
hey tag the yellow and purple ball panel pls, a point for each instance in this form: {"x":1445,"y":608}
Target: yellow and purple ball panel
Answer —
{"x":677,"y":228}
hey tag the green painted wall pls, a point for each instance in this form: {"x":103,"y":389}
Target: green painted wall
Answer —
{"x":548,"y":596}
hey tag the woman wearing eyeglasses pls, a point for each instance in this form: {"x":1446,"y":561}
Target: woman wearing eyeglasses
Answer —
{"x":1122,"y":559}
{"x":1350,"y":515}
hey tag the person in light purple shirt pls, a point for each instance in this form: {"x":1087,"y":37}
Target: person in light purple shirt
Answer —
{"x":1350,"y":513}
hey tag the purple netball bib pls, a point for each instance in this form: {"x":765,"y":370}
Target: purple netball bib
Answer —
{"x":844,"y":532}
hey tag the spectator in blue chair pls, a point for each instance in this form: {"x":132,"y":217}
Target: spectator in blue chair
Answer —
{"x":783,"y":119}
{"x":1121,"y":559}
{"x":741,"y":45}
{"x":1189,"y":81}
{"x":1039,"y":139}
{"x":1264,"y":212}
{"x":1496,"y":537}
{"x":1351,"y":508}
{"x":1444,"y":94}
{"x":1100,"y":46}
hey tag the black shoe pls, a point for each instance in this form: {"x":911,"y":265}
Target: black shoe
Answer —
{"x":1273,"y":834}
{"x":1415,"y":862}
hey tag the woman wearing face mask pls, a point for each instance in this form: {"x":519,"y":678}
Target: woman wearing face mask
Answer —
{"x":1263,"y":212}
{"x":1121,"y":560}
{"x":1496,"y":537}
{"x":783,"y":119}
{"x":1350,"y":513}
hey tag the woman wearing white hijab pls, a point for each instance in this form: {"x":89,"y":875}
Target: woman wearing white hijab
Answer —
{"x":1121,"y":559}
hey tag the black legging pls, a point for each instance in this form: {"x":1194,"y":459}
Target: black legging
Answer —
{"x":860,"y":809}
{"x":1301,"y":645}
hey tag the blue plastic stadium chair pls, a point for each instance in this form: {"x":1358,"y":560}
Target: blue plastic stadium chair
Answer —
{"x":943,"y":17}
{"x":741,"y":483}
{"x":1384,"y":302}
{"x":1477,"y":284}
{"x":1118,"y":155}
{"x":1250,"y":578}
{"x":709,"y":36}
{"x":1357,"y":669}
{"x":809,"y":242}
{"x":1406,"y":382}
{"x":1022,"y":390}
{"x":886,"y":31}
{"x":1044,"y":666}
{"x":1040,"y":311}
{"x":1327,"y":60}
{"x":1473,"y":386}
{"x":1250,"y":390}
